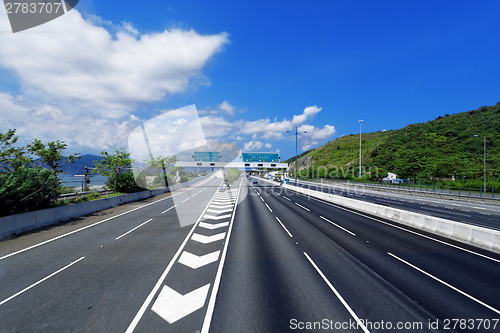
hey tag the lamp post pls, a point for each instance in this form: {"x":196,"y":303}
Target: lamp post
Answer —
{"x":484,"y":163}
{"x":360,"y":122}
{"x":296,"y":144}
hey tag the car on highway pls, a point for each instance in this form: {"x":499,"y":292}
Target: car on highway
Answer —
{"x":222,"y":188}
{"x":255,"y":181}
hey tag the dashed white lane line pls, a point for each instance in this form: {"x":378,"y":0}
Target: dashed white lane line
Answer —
{"x":169,"y":209}
{"x":288,"y":232}
{"x":128,"y":232}
{"x":37,"y":283}
{"x":261,"y":198}
{"x":185,"y":200}
{"x":286,"y":198}
{"x":342,"y":300}
{"x":303,"y":207}
{"x":407,"y":230}
{"x":446,"y":284}
{"x":338,"y":226}
{"x":268,"y":207}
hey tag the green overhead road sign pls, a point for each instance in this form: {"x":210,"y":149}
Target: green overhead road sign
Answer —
{"x":260,"y":157}
{"x":206,"y":156}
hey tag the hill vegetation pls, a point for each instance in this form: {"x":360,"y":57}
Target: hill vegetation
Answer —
{"x":449,"y":147}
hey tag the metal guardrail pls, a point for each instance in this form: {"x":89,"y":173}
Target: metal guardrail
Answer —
{"x":417,"y":189}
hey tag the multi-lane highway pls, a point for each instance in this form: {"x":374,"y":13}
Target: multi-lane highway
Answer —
{"x":477,"y":213}
{"x":253,"y":259}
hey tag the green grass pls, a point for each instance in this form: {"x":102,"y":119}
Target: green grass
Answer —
{"x":433,"y":151}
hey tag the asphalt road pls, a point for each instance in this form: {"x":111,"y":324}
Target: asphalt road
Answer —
{"x":380,"y":273}
{"x":480,"y":214}
{"x":249,"y":259}
{"x":95,"y":279}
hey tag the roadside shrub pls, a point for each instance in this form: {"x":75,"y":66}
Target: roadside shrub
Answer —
{"x":27,"y":189}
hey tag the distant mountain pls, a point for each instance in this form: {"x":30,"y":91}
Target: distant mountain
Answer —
{"x":77,"y":168}
{"x":449,"y":146}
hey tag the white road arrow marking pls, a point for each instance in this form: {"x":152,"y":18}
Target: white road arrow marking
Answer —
{"x":221,"y":201}
{"x":213,"y":226}
{"x":194,"y":261}
{"x":172,"y":306}
{"x":212,"y":217}
{"x":208,"y":239}
{"x":224,"y":206}
{"x":219,"y":211}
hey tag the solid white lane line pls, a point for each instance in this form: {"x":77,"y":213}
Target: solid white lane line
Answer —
{"x":268,"y":208}
{"x":91,"y":225}
{"x":286,"y":198}
{"x":169,"y":209}
{"x":344,"y":303}
{"x":303,"y":207}
{"x":37,"y":283}
{"x":128,"y":232}
{"x":446,"y":284}
{"x":211,"y":302}
{"x":407,"y":230}
{"x":338,"y":226}
{"x":288,"y":232}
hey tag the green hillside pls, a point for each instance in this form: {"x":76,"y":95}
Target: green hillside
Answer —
{"x":439,"y":149}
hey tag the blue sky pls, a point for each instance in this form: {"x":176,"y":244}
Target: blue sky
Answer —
{"x":250,"y":65}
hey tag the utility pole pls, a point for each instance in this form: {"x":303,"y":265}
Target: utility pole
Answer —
{"x":359,"y":173}
{"x":296,"y":148}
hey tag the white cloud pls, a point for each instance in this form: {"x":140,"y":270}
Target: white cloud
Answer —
{"x":277,"y":128}
{"x":266,"y":129}
{"x":308,"y":145}
{"x":317,"y":133}
{"x":227,"y":108}
{"x":82,"y":79}
{"x":84,"y":62}
{"x":49,"y":123}
{"x":252,"y":145}
{"x":268,"y":145}
{"x":308,"y":113}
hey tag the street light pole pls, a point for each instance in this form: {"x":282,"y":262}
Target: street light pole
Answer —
{"x":360,"y":122}
{"x":296,"y":144}
{"x":296,"y":152}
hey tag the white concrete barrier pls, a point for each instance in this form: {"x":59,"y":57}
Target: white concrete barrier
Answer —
{"x":16,"y":224}
{"x":485,"y":238}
